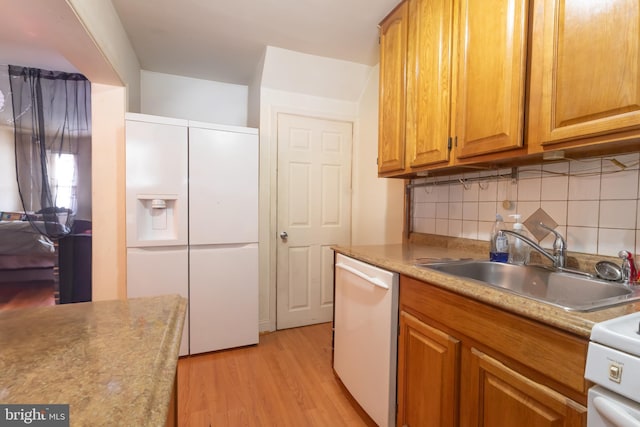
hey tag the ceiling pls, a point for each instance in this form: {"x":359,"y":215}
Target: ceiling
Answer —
{"x":224,"y":40}
{"x":220,"y":40}
{"x":27,"y":34}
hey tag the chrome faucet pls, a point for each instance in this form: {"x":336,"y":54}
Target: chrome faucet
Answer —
{"x":559,"y":257}
{"x":559,"y":246}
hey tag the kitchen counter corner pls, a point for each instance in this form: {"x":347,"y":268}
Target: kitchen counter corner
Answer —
{"x":113,"y":362}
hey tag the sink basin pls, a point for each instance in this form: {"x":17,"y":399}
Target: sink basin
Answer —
{"x":567,"y":290}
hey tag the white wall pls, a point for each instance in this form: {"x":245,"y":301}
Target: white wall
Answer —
{"x":101,"y":21}
{"x":108,"y":106}
{"x":377,"y":203}
{"x":253,"y":108}
{"x":9,"y":197}
{"x":297,"y":72}
{"x":193,"y":99}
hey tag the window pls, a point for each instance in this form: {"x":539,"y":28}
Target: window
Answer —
{"x":63,"y":179}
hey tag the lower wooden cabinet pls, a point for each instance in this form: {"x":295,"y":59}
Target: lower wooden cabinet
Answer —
{"x":499,"y":396}
{"x":428,"y":373}
{"x":465,"y":363}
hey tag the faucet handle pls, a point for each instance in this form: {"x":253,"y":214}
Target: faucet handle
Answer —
{"x":628,"y":267}
{"x":559,"y":241}
{"x":559,"y":246}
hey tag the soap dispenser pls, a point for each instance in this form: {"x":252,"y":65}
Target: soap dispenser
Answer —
{"x":519,"y":251}
{"x":499,"y":244}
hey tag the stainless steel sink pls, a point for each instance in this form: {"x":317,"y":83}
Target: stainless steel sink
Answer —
{"x":567,"y":290}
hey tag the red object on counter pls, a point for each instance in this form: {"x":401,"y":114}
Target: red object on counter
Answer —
{"x":633,"y":276}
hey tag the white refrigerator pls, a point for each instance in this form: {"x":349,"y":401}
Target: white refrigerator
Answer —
{"x":192,"y":225}
{"x":157,"y":209}
{"x":223,"y":236}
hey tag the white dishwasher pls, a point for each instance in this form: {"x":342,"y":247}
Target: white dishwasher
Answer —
{"x":365,"y":336}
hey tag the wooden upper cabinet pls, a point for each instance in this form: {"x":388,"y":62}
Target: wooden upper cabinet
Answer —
{"x":391,"y":121}
{"x":476,"y":72}
{"x":429,"y":81}
{"x":585,"y":72}
{"x":491,"y":76}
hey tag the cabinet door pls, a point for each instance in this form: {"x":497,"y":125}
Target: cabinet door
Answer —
{"x":391,"y":122}
{"x":585,"y":70}
{"x":491,"y":73}
{"x":429,"y":81}
{"x":223,"y":187}
{"x":428,"y":375}
{"x":499,"y":396}
{"x":223,"y":297}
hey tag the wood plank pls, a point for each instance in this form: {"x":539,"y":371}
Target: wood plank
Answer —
{"x":26,"y":294}
{"x":286,"y":380}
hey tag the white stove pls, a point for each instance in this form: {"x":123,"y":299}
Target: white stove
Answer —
{"x":613,"y":363}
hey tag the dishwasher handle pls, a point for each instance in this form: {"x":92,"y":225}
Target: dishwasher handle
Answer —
{"x":373,"y":280}
{"x":613,"y":413}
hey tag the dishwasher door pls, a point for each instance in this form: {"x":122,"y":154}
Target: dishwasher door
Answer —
{"x":365,"y":336}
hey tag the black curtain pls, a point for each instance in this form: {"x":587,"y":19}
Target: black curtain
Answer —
{"x":52,"y":114}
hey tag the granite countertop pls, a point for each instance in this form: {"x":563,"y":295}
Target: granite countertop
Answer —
{"x":402,"y":259}
{"x":113,"y":362}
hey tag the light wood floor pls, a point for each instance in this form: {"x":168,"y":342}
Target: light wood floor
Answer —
{"x":26,"y":294}
{"x":286,"y":380}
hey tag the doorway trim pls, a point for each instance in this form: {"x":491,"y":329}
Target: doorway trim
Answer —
{"x":268,"y":197}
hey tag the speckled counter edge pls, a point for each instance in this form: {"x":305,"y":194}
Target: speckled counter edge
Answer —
{"x":166,"y":370}
{"x":402,"y":259}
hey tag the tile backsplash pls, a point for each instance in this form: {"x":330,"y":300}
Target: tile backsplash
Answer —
{"x":595,"y":202}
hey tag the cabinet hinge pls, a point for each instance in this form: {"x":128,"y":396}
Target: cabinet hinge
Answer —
{"x":449,"y":144}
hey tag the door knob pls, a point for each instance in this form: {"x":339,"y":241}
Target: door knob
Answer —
{"x":284,"y":235}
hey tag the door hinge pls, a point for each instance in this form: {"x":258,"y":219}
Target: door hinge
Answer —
{"x":449,"y":144}
{"x":377,"y":161}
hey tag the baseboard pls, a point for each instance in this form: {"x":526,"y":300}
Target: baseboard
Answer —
{"x":266,"y":326}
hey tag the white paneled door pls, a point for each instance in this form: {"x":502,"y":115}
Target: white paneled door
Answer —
{"x":314,"y":213}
